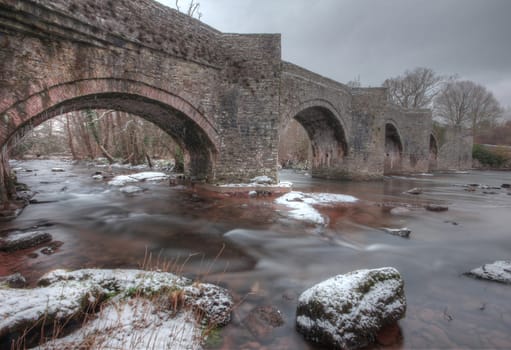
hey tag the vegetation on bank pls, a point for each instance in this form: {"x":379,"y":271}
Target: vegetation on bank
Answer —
{"x":495,"y":157}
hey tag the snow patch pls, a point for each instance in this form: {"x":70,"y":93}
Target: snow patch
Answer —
{"x":134,"y":325}
{"x":122,"y":180}
{"x":282,"y":184}
{"x":301,"y":204}
{"x":266,"y":180}
{"x":499,"y":271}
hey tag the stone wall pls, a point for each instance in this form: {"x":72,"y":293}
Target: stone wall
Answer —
{"x":342,"y":123}
{"x":455,"y":149}
{"x":414,"y":128}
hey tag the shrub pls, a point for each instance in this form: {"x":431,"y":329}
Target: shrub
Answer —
{"x":489,"y":157}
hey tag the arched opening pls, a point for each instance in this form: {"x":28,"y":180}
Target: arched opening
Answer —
{"x":433,"y":153}
{"x":328,"y":145}
{"x":295,"y":147}
{"x":100,"y":136}
{"x":393,"y":150}
{"x":198,"y":148}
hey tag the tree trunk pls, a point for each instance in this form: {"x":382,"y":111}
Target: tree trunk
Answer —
{"x":7,"y":183}
{"x":70,"y":138}
{"x":91,"y":123}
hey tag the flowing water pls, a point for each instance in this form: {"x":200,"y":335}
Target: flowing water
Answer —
{"x":253,"y":247}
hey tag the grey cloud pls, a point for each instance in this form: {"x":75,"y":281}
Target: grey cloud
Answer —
{"x":377,"y":39}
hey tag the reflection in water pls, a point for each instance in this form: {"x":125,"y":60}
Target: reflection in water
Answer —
{"x":265,"y":257}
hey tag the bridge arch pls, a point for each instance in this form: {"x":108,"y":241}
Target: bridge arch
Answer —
{"x":393,"y":149}
{"x":433,"y":152}
{"x":326,"y":132}
{"x":185,"y":123}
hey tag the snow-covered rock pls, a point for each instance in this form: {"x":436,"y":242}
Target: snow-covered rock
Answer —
{"x":262,"y":180}
{"x":415,"y":190}
{"x":97,"y":177}
{"x":150,"y":176}
{"x":499,"y":271}
{"x":138,"y":324}
{"x":130,"y":189}
{"x":122,"y":180}
{"x":301,"y":204}
{"x":23,"y":240}
{"x":13,"y":281}
{"x":62,"y":295}
{"x":401,"y":232}
{"x":347,"y":311}
{"x":400,"y":211}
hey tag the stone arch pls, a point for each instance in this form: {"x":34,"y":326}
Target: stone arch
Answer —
{"x":185,"y":123}
{"x":326,"y":132}
{"x":433,"y":152}
{"x":393,"y":149}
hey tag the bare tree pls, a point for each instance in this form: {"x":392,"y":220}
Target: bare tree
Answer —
{"x":193,"y":9}
{"x":414,"y":89}
{"x":355,"y":83}
{"x":465,"y":103}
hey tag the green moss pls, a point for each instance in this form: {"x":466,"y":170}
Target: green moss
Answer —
{"x":212,"y":337}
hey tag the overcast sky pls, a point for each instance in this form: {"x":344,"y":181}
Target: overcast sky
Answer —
{"x":377,"y":39}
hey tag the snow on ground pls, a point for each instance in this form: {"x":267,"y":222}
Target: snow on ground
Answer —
{"x":136,"y":324}
{"x":122,"y":180}
{"x":284,"y":184}
{"x":302,"y":204}
{"x":125,"y":322}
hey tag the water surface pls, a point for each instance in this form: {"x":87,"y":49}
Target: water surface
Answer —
{"x":251,"y":245}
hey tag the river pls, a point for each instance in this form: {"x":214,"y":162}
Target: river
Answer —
{"x":265,"y":257}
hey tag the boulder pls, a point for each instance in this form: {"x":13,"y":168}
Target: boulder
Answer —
{"x":64,"y":296}
{"x":13,"y":281}
{"x":505,"y":185}
{"x":23,"y":240}
{"x":130,"y":189}
{"x":347,"y":311}
{"x":261,"y":321}
{"x":400,"y":211}
{"x":266,"y":180}
{"x":499,"y":271}
{"x":401,"y":232}
{"x":415,"y":190}
{"x":436,"y":207}
{"x":57,"y":170}
{"x":51,"y":248}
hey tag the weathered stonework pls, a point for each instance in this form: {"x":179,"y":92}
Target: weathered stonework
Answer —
{"x":216,"y":94}
{"x":223,"y":97}
{"x":454,"y":149}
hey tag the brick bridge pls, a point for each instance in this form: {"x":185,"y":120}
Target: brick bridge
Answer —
{"x":223,"y":97}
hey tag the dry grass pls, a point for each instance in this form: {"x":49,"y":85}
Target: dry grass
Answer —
{"x":133,"y":319}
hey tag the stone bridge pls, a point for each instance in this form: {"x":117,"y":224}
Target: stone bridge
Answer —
{"x":224,"y":98}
